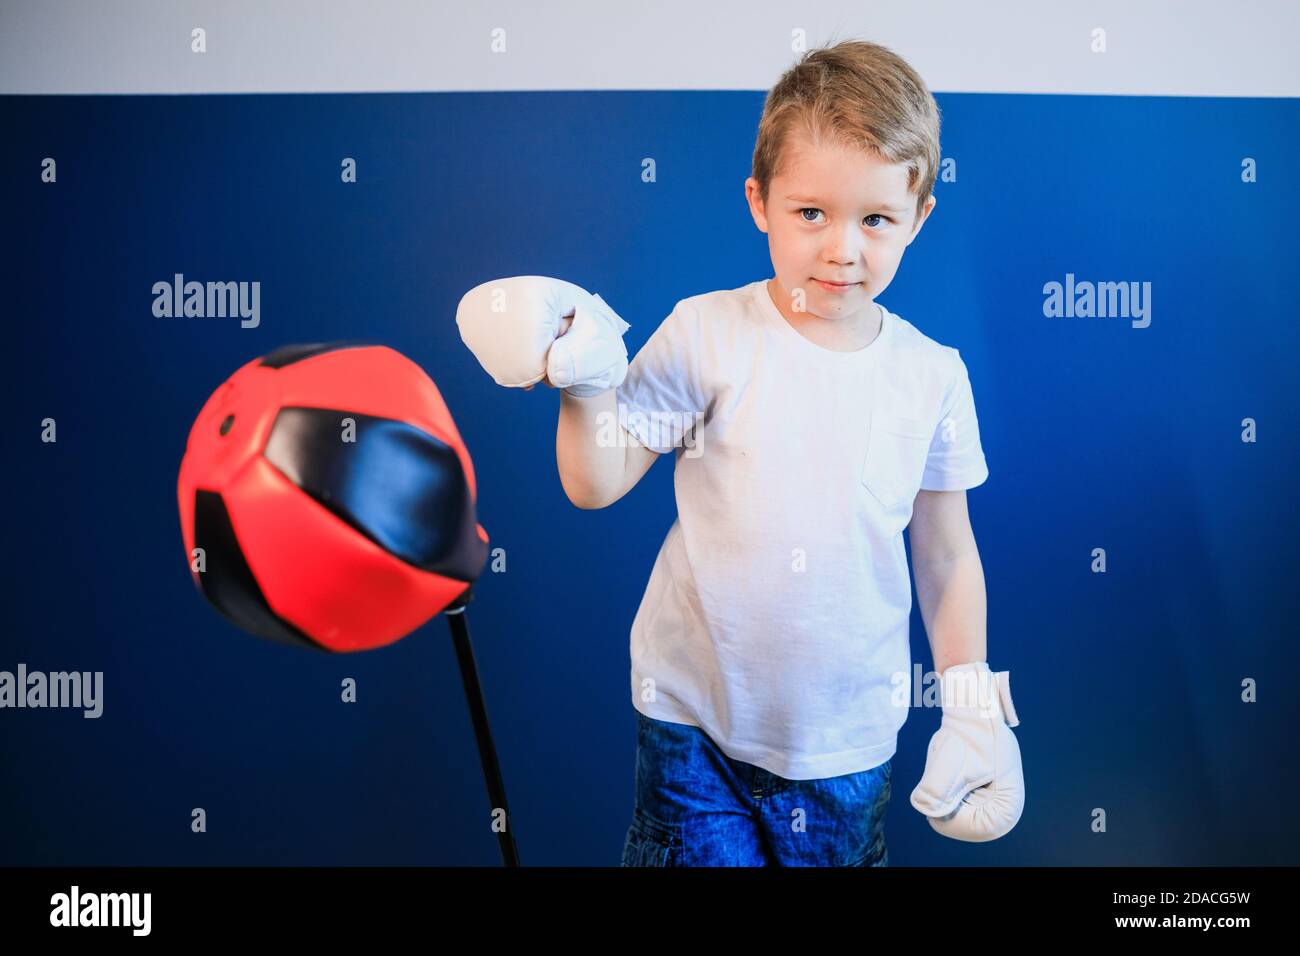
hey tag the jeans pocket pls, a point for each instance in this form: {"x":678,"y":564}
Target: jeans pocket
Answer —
{"x":880,"y":780}
{"x":897,"y":448}
{"x":877,"y":855}
{"x":651,"y":843}
{"x":880,"y":858}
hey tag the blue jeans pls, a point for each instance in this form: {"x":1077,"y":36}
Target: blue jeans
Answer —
{"x":695,"y":806}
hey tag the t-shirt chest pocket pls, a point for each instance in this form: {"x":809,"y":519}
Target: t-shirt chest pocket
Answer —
{"x":897,"y":448}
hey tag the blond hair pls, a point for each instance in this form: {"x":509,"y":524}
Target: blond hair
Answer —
{"x":859,"y":94}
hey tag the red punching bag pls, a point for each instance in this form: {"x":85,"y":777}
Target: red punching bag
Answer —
{"x":327,"y":500}
{"x":331,"y":498}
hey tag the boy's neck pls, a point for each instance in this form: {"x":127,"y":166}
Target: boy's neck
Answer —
{"x":837,"y":335}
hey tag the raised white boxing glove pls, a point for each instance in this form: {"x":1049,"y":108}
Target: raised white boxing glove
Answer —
{"x":513,"y":326}
{"x":973,"y":787}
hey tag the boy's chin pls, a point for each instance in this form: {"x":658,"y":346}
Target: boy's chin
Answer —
{"x":838,"y":307}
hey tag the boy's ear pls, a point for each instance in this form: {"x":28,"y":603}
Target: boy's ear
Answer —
{"x":925,"y":214}
{"x":754,"y":196}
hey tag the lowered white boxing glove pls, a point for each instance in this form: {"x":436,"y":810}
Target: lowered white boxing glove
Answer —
{"x":973,"y":788}
{"x":513,"y":326}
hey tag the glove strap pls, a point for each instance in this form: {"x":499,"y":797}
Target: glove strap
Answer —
{"x":612,"y":318}
{"x":966,"y":692}
{"x":1004,"y":693}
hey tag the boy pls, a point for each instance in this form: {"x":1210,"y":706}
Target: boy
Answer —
{"x":770,"y":657}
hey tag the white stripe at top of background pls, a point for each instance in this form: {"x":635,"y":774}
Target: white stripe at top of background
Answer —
{"x":1153,"y":47}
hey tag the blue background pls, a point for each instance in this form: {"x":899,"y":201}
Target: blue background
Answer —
{"x":1096,"y":435}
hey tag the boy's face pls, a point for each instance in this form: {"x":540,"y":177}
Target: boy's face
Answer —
{"x":835,"y":214}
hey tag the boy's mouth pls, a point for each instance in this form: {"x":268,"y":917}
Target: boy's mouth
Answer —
{"x":836,"y":286}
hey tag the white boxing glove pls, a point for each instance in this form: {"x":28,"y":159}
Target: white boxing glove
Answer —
{"x":973,"y":787}
{"x":513,"y":326}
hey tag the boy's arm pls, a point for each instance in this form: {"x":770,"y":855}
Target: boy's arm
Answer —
{"x":949,"y":578}
{"x":973,"y":787}
{"x":598,"y":462}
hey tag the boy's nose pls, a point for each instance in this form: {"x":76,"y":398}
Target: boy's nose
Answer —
{"x":844,"y":247}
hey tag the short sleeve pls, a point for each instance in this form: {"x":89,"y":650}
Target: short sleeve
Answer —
{"x":956,"y":459}
{"x":660,"y":401}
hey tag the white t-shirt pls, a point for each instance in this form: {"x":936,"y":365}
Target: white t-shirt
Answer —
{"x":776,"y":615}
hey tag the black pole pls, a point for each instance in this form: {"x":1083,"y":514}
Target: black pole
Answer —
{"x":483,"y":734}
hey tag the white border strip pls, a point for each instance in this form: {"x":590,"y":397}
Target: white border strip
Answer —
{"x":1153,"y":47}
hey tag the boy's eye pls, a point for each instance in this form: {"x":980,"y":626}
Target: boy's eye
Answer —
{"x":813,"y":209}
